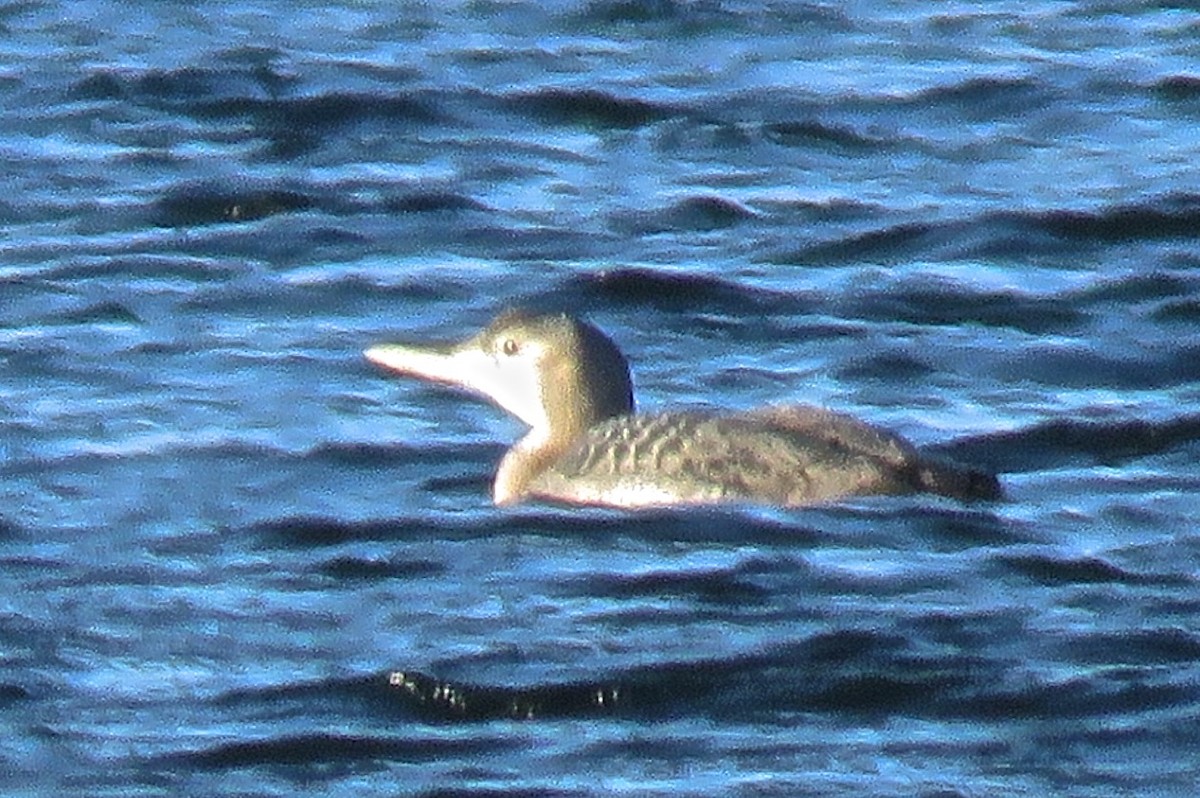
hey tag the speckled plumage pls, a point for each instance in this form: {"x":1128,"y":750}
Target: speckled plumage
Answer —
{"x":789,"y":456}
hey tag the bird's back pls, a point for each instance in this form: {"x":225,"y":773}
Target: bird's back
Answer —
{"x":793,"y":456}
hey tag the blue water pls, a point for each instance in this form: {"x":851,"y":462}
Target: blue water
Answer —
{"x":221,"y":531}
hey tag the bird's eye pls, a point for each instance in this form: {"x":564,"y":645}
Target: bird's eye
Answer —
{"x":511,"y":347}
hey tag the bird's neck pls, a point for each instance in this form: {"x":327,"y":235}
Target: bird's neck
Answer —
{"x":530,"y":456}
{"x":565,"y":422}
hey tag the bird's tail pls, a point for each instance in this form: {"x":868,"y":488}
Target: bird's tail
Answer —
{"x":958,"y":482}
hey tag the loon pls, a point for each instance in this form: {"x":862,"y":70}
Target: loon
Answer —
{"x":585,"y":446}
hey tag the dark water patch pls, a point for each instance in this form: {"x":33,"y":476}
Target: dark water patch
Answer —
{"x":638,"y":12}
{"x":163,"y":348}
{"x":103,"y":85}
{"x":496,"y":243}
{"x":668,"y":619}
{"x":722,"y":587}
{"x":1008,"y":235}
{"x":690,"y":137}
{"x":15,"y":211}
{"x":315,"y":531}
{"x":986,"y":237}
{"x":296,"y":126}
{"x":972,"y":630}
{"x":1178,"y":88}
{"x":673,"y":292}
{"x":433,"y":698}
{"x":890,"y":244}
{"x":1151,"y":647}
{"x":705,"y":213}
{"x":798,"y":20}
{"x":835,"y":209}
{"x":12,"y":694}
{"x":846,"y":671}
{"x":131,"y":575}
{"x":9,"y":529}
{"x":360,"y":569}
{"x":986,"y":98}
{"x":186,"y":83}
{"x":1074,"y":699}
{"x":183,"y":87}
{"x":1170,"y":216}
{"x":745,"y":377}
{"x":314,"y":694}
{"x":35,"y":567}
{"x":882,"y":692}
{"x":591,"y":108}
{"x":283,"y":143}
{"x":264,"y":66}
{"x":590,"y":525}
{"x":681,"y":524}
{"x":952,"y":528}
{"x":1139,"y":287}
{"x":325,"y":236}
{"x":1083,"y":366}
{"x":325,"y":112}
{"x":89,"y":461}
{"x":1131,"y":514}
{"x":36,"y":361}
{"x":900,"y":523}
{"x":310,"y":751}
{"x":213,"y":204}
{"x":525,"y":790}
{"x":810,"y":134}
{"x":656,"y":691}
{"x":479,"y":484}
{"x":765,"y":327}
{"x":883,"y":587}
{"x":885,"y":366}
{"x":701,"y":214}
{"x":154,"y":85}
{"x":146,"y":266}
{"x":1050,"y":570}
{"x":433,"y":202}
{"x":1186,"y":311}
{"x":101,"y":313}
{"x":943,"y":302}
{"x":608,"y":11}
{"x":351,"y":291}
{"x":1064,"y":442}
{"x":376,"y":455}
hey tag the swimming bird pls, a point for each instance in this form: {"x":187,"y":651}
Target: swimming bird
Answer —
{"x":570,"y":383}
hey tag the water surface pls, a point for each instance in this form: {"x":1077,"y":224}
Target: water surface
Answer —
{"x":222,"y":532}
